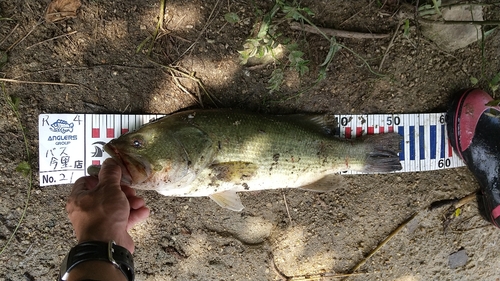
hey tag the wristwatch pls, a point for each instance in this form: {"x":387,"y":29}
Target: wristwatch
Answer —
{"x":120,"y":257}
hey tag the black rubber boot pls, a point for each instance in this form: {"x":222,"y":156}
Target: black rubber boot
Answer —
{"x":474,"y":132}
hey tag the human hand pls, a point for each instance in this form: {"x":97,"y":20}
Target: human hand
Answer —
{"x":101,"y":209}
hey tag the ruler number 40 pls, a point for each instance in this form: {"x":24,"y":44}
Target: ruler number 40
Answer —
{"x":444,"y":163}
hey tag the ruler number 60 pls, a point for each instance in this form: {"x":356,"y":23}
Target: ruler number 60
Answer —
{"x":444,"y":163}
{"x":393,"y":121}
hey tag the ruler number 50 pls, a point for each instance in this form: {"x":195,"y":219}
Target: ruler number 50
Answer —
{"x":444,"y":163}
{"x":393,"y":121}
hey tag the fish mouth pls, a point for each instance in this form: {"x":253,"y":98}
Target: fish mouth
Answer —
{"x":133,"y":170}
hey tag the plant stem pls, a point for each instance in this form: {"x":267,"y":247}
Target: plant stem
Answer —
{"x":30,"y":176}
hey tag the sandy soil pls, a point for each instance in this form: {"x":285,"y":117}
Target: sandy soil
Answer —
{"x":192,"y":238}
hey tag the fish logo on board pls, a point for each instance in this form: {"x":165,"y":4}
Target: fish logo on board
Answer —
{"x":61,"y":126}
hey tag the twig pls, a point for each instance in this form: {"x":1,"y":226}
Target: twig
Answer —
{"x":190,"y":76}
{"x":83,"y":68}
{"x":389,"y":237}
{"x":357,"y":13}
{"x":336,"y":32}
{"x":452,"y":22}
{"x":159,"y":26}
{"x":455,"y":203}
{"x":10,"y":33}
{"x":39,"y":83}
{"x":209,"y":21}
{"x":276,"y":269}
{"x":24,"y":37}
{"x":389,"y":46}
{"x":180,"y":86}
{"x":323,"y":276}
{"x":53,"y":38}
{"x":287,"y":210}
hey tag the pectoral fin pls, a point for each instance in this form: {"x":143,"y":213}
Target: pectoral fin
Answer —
{"x":228,"y":199}
{"x":234,"y":172}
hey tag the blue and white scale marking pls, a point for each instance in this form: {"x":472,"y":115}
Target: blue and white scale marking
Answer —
{"x":69,"y":143}
{"x":425,"y":146}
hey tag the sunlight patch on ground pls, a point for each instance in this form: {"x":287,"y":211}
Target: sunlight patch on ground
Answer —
{"x":293,"y":249}
{"x":185,"y":17}
{"x":407,"y":278}
{"x":214,"y":74}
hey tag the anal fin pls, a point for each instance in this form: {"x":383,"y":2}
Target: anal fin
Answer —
{"x":326,"y":184}
{"x":228,"y":199}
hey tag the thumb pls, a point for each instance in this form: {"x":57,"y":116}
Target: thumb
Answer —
{"x":83,"y":184}
{"x":110,"y":173}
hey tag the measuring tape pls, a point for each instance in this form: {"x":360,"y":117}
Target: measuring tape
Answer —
{"x":69,"y":143}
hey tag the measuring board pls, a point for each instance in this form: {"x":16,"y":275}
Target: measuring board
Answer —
{"x":69,"y":143}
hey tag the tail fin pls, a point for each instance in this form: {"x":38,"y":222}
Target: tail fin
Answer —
{"x":382,"y":156}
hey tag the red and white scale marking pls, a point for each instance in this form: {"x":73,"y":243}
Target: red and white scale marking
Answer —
{"x":66,"y":153}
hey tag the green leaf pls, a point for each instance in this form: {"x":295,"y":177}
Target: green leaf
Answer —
{"x":406,"y":28}
{"x":276,"y":80}
{"x":322,"y":74}
{"x":291,"y":12}
{"x":437,"y":5}
{"x":302,"y":68}
{"x":264,"y":27}
{"x":494,"y":82}
{"x":494,"y":88}
{"x":231,"y":17}
{"x":493,"y":103}
{"x":487,"y":33}
{"x":474,"y":81}
{"x":296,"y":54}
{"x":292,"y":47}
{"x":308,"y":11}
{"x":142,"y":44}
{"x":24,"y":168}
{"x":262,"y":51}
{"x":425,"y":7}
{"x":334,"y":47}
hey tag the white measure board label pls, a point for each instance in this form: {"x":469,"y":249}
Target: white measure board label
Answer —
{"x":69,"y":143}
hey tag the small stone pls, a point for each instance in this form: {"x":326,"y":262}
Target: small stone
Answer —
{"x":452,"y":37}
{"x":458,"y":259}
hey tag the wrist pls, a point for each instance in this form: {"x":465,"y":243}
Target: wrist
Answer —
{"x":104,"y":233}
{"x":85,"y":254}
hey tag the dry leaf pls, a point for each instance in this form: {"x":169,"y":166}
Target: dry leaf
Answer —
{"x":61,"y":10}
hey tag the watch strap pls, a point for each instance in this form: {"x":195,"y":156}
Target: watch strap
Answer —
{"x":119,"y":256}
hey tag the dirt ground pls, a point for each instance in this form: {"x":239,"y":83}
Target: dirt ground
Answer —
{"x":322,"y":235}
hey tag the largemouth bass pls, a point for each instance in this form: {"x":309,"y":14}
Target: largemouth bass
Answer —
{"x":217,"y":153}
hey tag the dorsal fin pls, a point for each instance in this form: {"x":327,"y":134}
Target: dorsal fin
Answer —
{"x":324,"y":123}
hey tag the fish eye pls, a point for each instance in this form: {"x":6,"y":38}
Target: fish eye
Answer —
{"x":137,"y":144}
